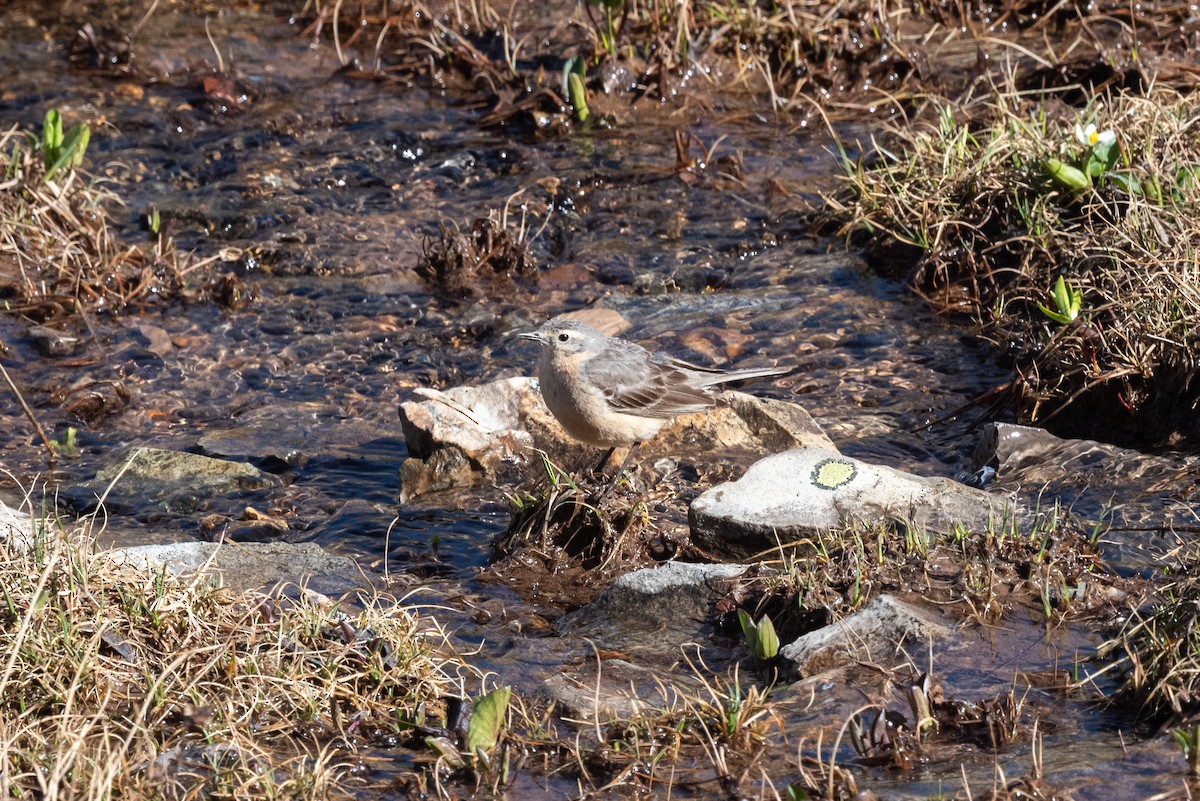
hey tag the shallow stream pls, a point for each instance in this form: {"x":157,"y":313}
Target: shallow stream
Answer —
{"x":321,"y":191}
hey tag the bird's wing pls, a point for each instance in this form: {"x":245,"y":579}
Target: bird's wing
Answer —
{"x":635,"y":382}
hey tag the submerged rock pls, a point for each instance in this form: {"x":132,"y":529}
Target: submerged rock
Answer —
{"x":615,"y":689}
{"x":875,"y":633}
{"x":288,"y":433}
{"x":801,"y":492}
{"x":654,"y":609}
{"x":492,"y":433}
{"x":249,"y":566}
{"x":1035,"y":455}
{"x":178,"y":481}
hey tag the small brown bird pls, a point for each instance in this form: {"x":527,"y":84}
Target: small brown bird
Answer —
{"x":609,"y":392}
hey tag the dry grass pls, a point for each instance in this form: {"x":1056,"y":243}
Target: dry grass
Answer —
{"x":1157,"y":652}
{"x":846,"y":56}
{"x":968,"y":198}
{"x":58,"y":253}
{"x":115,"y":681}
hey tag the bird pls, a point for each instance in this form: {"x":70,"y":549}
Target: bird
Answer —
{"x":610,"y":392}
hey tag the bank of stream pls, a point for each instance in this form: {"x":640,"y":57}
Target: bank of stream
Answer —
{"x":322,"y":192}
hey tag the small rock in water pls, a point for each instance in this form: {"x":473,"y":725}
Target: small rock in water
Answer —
{"x":874,"y":633}
{"x":51,"y":342}
{"x":654,"y":609}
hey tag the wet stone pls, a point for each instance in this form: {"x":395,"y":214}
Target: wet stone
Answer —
{"x":654,"y":609}
{"x":288,"y":434}
{"x":492,"y":432}
{"x":802,"y":492}
{"x":621,"y":691}
{"x":876,"y":633}
{"x":357,"y":517}
{"x":51,"y":342}
{"x":177,"y":481}
{"x":249,"y":566}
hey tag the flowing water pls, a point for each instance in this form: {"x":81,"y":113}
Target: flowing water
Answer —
{"x":321,"y":191}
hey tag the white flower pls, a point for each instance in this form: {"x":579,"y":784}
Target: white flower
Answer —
{"x":1090,"y":137}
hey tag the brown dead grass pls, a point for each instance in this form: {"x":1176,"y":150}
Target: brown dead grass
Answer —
{"x":1156,"y":654}
{"x":58,"y":253}
{"x":116,"y":681}
{"x":961,"y":201}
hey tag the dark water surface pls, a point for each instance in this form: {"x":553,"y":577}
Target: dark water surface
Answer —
{"x":321,"y":190}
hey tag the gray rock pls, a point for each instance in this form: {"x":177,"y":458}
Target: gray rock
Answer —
{"x":51,"y":342}
{"x":493,"y":432}
{"x":799,"y":493}
{"x":16,"y":527}
{"x":249,"y":566}
{"x":874,"y":633}
{"x":619,"y":691}
{"x":468,"y":433}
{"x":163,"y":467}
{"x":177,"y":481}
{"x":654,"y":609}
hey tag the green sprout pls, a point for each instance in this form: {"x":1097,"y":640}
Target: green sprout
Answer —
{"x":615,"y":12}
{"x":59,"y":150}
{"x":760,"y":636}
{"x":67,"y":446}
{"x":1067,"y":301}
{"x":574,"y":88}
{"x":1189,"y":743}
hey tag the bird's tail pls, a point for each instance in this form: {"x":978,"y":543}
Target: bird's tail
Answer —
{"x":712,"y":378}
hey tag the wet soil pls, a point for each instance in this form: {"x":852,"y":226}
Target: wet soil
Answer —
{"x":322,"y":192}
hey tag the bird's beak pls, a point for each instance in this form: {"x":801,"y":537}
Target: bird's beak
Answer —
{"x":536,"y":336}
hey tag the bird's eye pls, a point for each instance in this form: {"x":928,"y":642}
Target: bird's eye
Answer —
{"x":563,"y":337}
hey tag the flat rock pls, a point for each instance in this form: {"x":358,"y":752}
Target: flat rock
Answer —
{"x":654,"y":609}
{"x":249,"y":566}
{"x":799,"y":493}
{"x":618,"y":690}
{"x":493,"y":432}
{"x":177,"y":480}
{"x":875,"y":633}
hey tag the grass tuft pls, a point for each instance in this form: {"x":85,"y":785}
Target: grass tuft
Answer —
{"x":1076,"y":256}
{"x":116,"y":681}
{"x":58,"y":253}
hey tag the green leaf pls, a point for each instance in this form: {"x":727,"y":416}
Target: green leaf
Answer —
{"x":1066,"y":175}
{"x":1124,"y":180}
{"x":749,"y":630}
{"x":1187,"y":177}
{"x":76,"y":143}
{"x":52,"y":135}
{"x":760,"y":637}
{"x":1102,"y":158}
{"x":797,"y":793}
{"x":768,"y":640}
{"x":1068,"y":301}
{"x":487,"y":718}
{"x":578,"y":97}
{"x":1152,"y":191}
{"x":72,"y":150}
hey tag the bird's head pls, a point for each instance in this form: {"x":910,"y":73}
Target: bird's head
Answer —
{"x":566,"y":338}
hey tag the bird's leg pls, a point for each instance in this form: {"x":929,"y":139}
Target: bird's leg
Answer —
{"x":617,"y":475}
{"x":598,"y":470}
